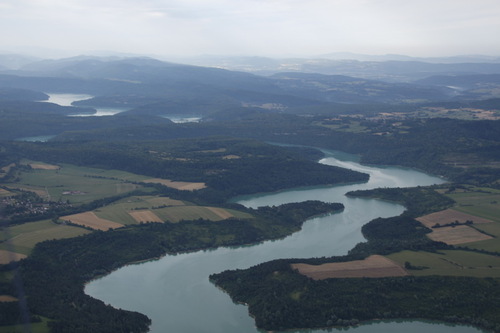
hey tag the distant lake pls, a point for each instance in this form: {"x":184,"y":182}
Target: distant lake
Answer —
{"x":68,"y":99}
{"x":40,"y":138}
{"x":179,"y":118}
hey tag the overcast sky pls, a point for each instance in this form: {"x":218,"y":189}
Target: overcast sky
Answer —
{"x":253,"y":27}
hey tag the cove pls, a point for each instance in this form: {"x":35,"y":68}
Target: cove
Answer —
{"x":176,"y":294}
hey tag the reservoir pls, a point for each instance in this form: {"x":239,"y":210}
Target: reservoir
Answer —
{"x":176,"y":294}
{"x":68,"y":99}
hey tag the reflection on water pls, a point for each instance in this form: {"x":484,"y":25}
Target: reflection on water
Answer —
{"x":68,"y":99}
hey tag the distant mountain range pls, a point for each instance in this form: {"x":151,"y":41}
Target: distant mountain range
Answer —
{"x":152,"y":86}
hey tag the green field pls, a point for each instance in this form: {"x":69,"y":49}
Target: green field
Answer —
{"x":23,"y":238}
{"x":450,"y":262}
{"x":5,"y":193}
{"x":118,"y":211}
{"x":165,"y":208}
{"x":482,"y":202}
{"x":77,"y":184}
{"x":179,"y":213}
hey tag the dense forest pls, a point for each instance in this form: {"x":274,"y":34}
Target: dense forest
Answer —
{"x":229,"y":167}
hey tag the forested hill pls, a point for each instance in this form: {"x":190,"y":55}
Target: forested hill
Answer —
{"x":228,"y":166}
{"x":457,"y":149}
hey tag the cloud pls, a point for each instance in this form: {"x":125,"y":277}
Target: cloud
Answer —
{"x":259,"y":27}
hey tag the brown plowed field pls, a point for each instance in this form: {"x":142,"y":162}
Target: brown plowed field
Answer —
{"x":184,"y":186}
{"x":222,"y":213}
{"x":7,"y":298}
{"x":89,"y":219}
{"x":145,"y":216}
{"x":43,"y":166}
{"x":449,"y":216}
{"x":453,"y":235}
{"x":374,"y":266}
{"x":8,"y":256}
{"x":457,"y":235}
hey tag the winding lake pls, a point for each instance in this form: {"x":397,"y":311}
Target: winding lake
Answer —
{"x":176,"y":294}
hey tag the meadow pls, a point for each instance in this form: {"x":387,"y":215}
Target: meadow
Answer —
{"x":450,"y":263}
{"x":76,"y":184}
{"x":22,"y":238}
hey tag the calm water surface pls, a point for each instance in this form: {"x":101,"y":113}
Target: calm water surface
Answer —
{"x":176,"y":294}
{"x":68,"y":99}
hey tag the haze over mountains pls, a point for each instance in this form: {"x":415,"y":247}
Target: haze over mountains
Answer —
{"x":151,"y":86}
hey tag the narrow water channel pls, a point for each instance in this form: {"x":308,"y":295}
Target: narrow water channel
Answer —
{"x":176,"y":294}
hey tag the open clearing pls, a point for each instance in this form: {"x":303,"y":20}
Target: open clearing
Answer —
{"x":7,"y":168}
{"x":44,"y":166}
{"x":449,"y":216}
{"x":222,"y":213}
{"x":76,"y":184}
{"x":179,"y":213}
{"x":375,"y":266}
{"x":137,"y":209}
{"x":184,"y":186}
{"x":5,"y":193}
{"x":8,"y":256}
{"x":460,"y":234}
{"x":478,"y":201}
{"x":145,"y":216}
{"x":119,"y":210}
{"x":450,"y":262}
{"x":22,"y":238}
{"x":89,"y":219}
{"x":453,"y":235}
{"x":7,"y":298}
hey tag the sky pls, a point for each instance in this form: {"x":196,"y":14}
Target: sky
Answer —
{"x":274,"y":28}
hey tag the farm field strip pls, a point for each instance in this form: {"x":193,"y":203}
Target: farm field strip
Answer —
{"x":457,"y":235}
{"x":44,"y":166}
{"x":145,"y":216}
{"x":23,"y":238}
{"x":375,"y":266}
{"x":453,"y":235}
{"x":184,"y":186}
{"x":449,"y":216}
{"x":179,"y":213}
{"x":7,"y":298}
{"x":89,"y":219}
{"x":9,"y":256}
{"x":450,"y":262}
{"x":76,"y":184}
{"x":5,"y":193}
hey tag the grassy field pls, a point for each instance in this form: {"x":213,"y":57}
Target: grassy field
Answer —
{"x":118,"y":211}
{"x":477,"y":204}
{"x":165,"y":208}
{"x":483,"y":202}
{"x":450,"y":262}
{"x":22,"y":238}
{"x":76,"y":184}
{"x":4,"y":193}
